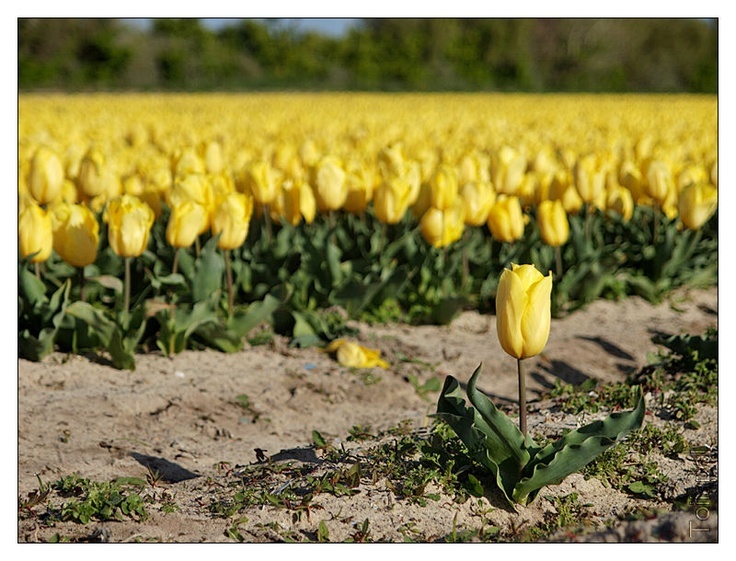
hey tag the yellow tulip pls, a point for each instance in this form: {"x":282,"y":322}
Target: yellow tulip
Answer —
{"x":508,"y":169}
{"x":554,"y":226}
{"x":295,"y":202}
{"x":185,"y":223}
{"x":478,"y":198}
{"x":188,"y":162}
{"x":620,"y":201}
{"x":660,"y":182}
{"x":329,"y":182}
{"x":590,"y":179}
{"x":76,"y":234}
{"x":443,"y":188}
{"x":698,"y":202}
{"x":35,"y":232}
{"x":214,"y":160}
{"x":89,"y":177}
{"x":359,"y":183}
{"x":197,"y":189}
{"x":523,"y":310}
{"x":45,"y":176}
{"x":353,"y":355}
{"x":232,"y":220}
{"x":260,"y":183}
{"x":505,"y":219}
{"x":129,"y":221}
{"x":443,"y":227}
{"x":391,"y":200}
{"x":561,"y":188}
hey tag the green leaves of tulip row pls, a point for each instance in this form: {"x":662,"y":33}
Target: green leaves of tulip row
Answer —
{"x":519,"y":466}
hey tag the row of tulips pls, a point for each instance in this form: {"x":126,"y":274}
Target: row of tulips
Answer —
{"x":143,"y":228}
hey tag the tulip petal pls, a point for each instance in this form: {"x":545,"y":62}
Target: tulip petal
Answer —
{"x":510,"y":304}
{"x":535,"y":324}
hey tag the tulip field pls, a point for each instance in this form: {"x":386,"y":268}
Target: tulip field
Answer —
{"x":165,"y":222}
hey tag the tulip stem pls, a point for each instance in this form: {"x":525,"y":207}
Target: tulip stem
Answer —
{"x":229,"y":280}
{"x":558,"y":261}
{"x":126,"y":302}
{"x":522,"y":397}
{"x":80,"y":273}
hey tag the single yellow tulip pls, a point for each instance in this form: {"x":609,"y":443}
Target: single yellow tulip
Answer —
{"x":478,"y":198}
{"x":660,"y":182}
{"x":443,"y":188}
{"x":523,"y":310}
{"x":698,"y":202}
{"x":621,"y":201}
{"x":508,"y":169}
{"x":129,"y":221}
{"x":232,"y":220}
{"x":353,"y":355}
{"x":294,"y":203}
{"x":185,"y":223}
{"x":329,"y":182}
{"x":443,"y":227}
{"x":554,"y":226}
{"x":90,"y":173}
{"x":359,"y":183}
{"x":590,"y":179}
{"x":260,"y":183}
{"x":76,"y":234}
{"x":391,"y":200}
{"x":505,"y":219}
{"x":45,"y":176}
{"x":35,"y":232}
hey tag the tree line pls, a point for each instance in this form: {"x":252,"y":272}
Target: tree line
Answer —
{"x":378,"y":54}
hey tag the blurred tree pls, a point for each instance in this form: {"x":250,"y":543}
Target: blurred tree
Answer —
{"x":379,"y":54}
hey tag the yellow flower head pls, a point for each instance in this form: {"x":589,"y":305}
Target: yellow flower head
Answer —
{"x":523,"y":310}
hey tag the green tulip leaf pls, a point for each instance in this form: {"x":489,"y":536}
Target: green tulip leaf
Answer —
{"x":108,"y":331}
{"x":209,"y":273}
{"x":518,"y":465}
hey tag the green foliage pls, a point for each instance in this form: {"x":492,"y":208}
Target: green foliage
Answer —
{"x":519,"y":466}
{"x":91,"y":500}
{"x":389,"y":54}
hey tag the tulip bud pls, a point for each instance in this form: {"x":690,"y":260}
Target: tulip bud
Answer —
{"x":45,"y":176}
{"x":523,"y":310}
{"x":185,"y":223}
{"x":443,"y":227}
{"x":621,"y":201}
{"x":330,"y":187}
{"x":76,"y":234}
{"x":505,"y":219}
{"x":129,"y":221}
{"x":659,"y":181}
{"x":478,"y":198}
{"x":231,"y":220}
{"x":295,"y":202}
{"x":391,"y":200}
{"x":90,"y":173}
{"x":698,"y":202}
{"x":554,"y":226}
{"x":508,"y":169}
{"x":260,"y":183}
{"x":443,"y":188}
{"x":35,"y":232}
{"x":590,"y":179}
{"x":359,"y":182}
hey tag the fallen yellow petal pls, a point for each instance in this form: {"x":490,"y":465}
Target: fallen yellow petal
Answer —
{"x":353,"y":355}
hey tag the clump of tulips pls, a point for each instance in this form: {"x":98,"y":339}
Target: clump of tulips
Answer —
{"x":519,"y":466}
{"x":180,"y":226}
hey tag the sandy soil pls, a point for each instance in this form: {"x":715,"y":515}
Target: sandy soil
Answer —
{"x":182,"y":416}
